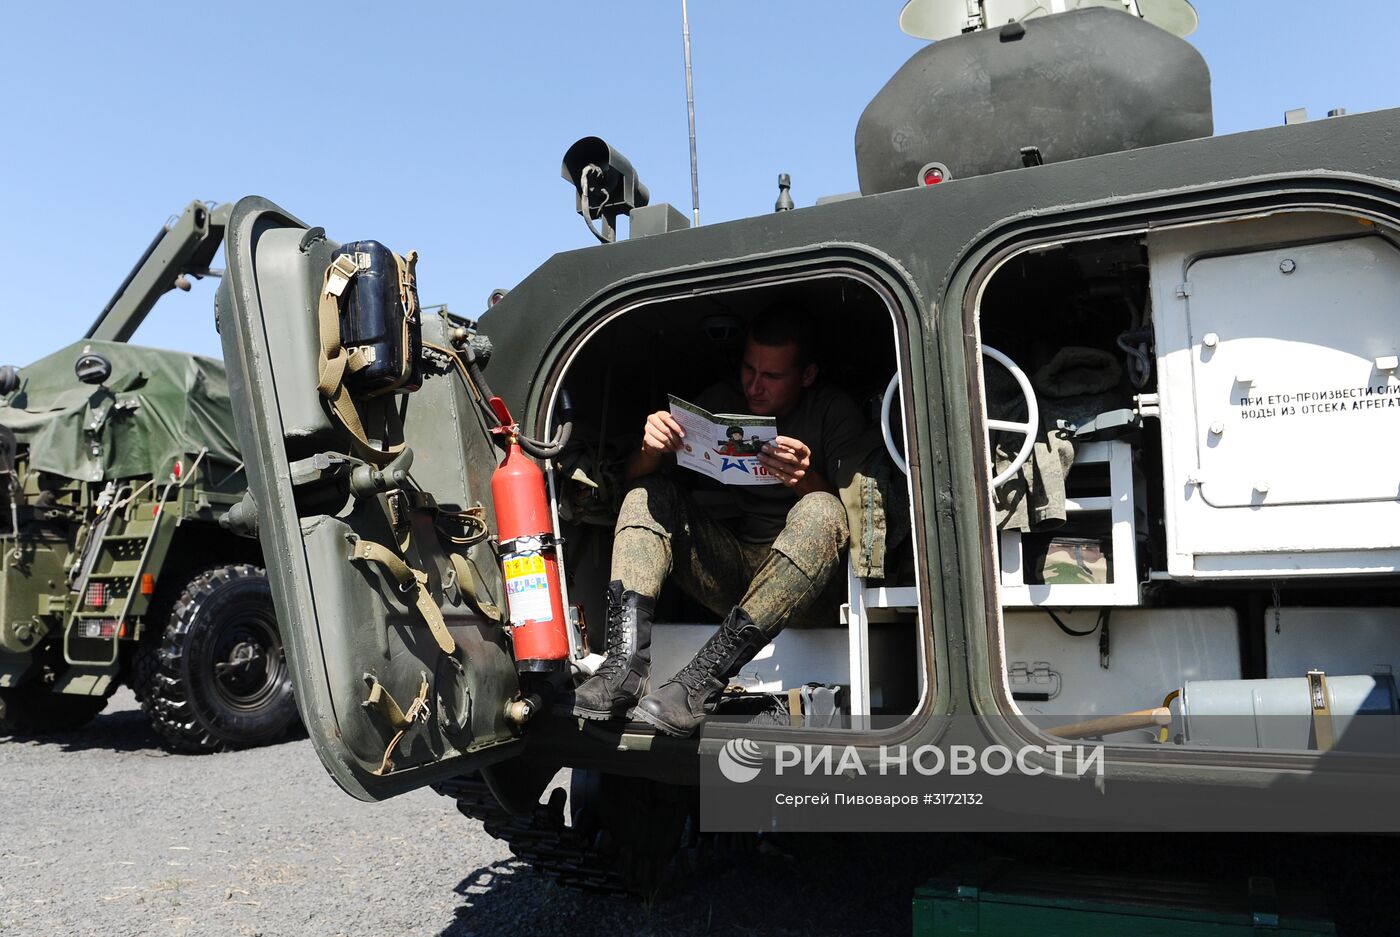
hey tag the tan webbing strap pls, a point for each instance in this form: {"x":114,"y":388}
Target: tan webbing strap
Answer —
{"x":408,"y":297}
{"x":398,"y":718}
{"x":472,"y":521}
{"x":381,"y":699}
{"x":407,"y":577}
{"x":356,"y":360}
{"x":335,"y":361}
{"x":338,"y":276}
{"x":471,"y":587}
{"x":408,"y":290}
{"x":1321,"y":706}
{"x":433,"y":616}
{"x":794,"y":695}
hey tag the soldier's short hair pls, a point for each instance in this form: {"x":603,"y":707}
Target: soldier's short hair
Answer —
{"x":783,"y":325}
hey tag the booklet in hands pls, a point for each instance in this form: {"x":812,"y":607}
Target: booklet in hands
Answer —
{"x":724,"y":446}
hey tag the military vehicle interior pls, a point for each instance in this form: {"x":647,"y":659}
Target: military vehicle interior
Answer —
{"x":1201,"y":549}
{"x":625,"y":369}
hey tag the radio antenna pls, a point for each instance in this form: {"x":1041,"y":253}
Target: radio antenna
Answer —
{"x":690,"y":110}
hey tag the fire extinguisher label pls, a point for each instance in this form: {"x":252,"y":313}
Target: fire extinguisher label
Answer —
{"x":527,"y":588}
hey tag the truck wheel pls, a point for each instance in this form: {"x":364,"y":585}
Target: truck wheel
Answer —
{"x":221,"y":680}
{"x":34,"y":709}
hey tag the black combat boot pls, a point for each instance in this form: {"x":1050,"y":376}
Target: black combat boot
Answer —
{"x":623,"y":676}
{"x":678,"y":707}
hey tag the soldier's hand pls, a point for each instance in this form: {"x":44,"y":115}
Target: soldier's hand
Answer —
{"x":662,"y":434}
{"x":788,"y":459}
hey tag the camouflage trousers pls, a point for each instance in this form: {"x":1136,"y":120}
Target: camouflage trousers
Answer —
{"x":661,"y":532}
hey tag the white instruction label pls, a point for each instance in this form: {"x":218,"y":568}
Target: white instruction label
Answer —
{"x":527,"y":588}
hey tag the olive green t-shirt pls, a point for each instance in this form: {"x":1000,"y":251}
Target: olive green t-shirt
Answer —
{"x":825,"y":418}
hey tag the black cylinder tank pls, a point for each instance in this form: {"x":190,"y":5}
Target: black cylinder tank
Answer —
{"x":1075,"y":84}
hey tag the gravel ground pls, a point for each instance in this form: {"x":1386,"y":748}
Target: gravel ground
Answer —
{"x":107,"y":834}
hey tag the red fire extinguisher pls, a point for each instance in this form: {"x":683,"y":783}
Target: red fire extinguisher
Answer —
{"x":529,"y":558}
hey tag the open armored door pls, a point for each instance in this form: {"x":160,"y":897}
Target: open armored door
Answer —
{"x":377,"y":548}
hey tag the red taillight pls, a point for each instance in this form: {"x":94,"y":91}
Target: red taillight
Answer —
{"x":178,"y":470}
{"x":148,"y":583}
{"x":933,"y":175}
{"x":96,"y":595}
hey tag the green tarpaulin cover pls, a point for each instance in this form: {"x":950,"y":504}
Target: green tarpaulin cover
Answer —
{"x":156,"y":407}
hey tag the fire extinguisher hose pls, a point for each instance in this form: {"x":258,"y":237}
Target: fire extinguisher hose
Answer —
{"x":471,"y":373}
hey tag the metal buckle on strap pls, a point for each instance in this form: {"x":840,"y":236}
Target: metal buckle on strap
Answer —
{"x":361,"y":357}
{"x":534,"y":544}
{"x":342,"y":271}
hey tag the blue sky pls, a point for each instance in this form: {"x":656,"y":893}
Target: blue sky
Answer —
{"x":440,"y":126}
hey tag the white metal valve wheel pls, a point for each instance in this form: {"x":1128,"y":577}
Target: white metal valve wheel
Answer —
{"x":885,"y":430}
{"x":1028,"y":429}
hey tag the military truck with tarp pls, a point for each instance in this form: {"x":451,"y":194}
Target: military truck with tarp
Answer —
{"x":117,"y":464}
{"x":1133,"y":482}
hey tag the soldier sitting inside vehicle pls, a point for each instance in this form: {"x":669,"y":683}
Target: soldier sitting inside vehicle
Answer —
{"x":762,"y":574}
